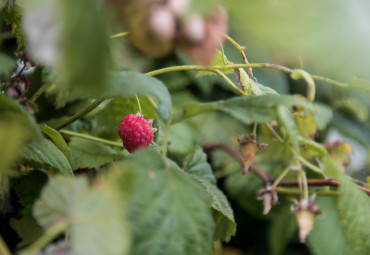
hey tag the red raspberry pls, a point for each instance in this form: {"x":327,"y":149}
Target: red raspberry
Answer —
{"x":135,"y":132}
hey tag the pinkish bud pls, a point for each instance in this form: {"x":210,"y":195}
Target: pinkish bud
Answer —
{"x":162,"y":22}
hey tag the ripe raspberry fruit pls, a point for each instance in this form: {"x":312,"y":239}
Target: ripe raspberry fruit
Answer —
{"x":135,"y":132}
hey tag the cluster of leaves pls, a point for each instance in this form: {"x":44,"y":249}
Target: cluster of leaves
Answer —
{"x":174,"y":197}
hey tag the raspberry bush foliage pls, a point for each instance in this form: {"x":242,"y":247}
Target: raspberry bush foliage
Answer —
{"x":225,"y":149}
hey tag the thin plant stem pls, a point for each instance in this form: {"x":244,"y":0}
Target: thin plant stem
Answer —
{"x":52,"y":232}
{"x":233,"y":66}
{"x":305,"y":186}
{"x":295,"y":191}
{"x":118,"y":35}
{"x":39,"y":92}
{"x":138,"y":103}
{"x":280,"y":177}
{"x":241,"y":51}
{"x":4,"y":250}
{"x":81,"y":113}
{"x":255,"y":128}
{"x":91,"y":138}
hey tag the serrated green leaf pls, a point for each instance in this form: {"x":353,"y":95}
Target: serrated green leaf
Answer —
{"x":286,"y":120}
{"x":248,"y":110}
{"x":327,"y":236}
{"x":93,"y":214}
{"x":85,"y":59}
{"x":46,"y":154}
{"x":10,"y":110}
{"x":109,"y":117}
{"x":356,"y":107}
{"x":323,"y":115}
{"x":197,"y":166}
{"x":57,"y":139}
{"x":283,"y":226}
{"x":89,"y":154}
{"x":6,"y":64}
{"x":168,"y":209}
{"x":264,"y":89}
{"x":129,"y":84}
{"x":353,"y":210}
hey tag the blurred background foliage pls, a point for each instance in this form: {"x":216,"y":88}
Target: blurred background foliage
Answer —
{"x":329,"y":38}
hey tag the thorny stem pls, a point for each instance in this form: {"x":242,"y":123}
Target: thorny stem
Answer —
{"x":228,"y":81}
{"x":305,"y":186}
{"x":52,"y":232}
{"x":90,"y":137}
{"x":81,"y":113}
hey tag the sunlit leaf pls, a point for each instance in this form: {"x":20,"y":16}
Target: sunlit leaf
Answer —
{"x":363,"y":85}
{"x":95,"y":221}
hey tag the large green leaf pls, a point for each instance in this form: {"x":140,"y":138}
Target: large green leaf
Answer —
{"x":113,"y":112}
{"x":196,"y":164}
{"x":353,"y":210}
{"x":327,"y":235}
{"x":10,"y":110}
{"x":85,"y":60}
{"x":129,"y":84}
{"x":260,"y":109}
{"x":46,"y":154}
{"x":95,"y":221}
{"x":57,"y":139}
{"x":167,"y":208}
{"x":91,"y":154}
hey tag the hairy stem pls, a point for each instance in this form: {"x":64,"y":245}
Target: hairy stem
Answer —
{"x":91,"y":138}
{"x":81,"y":113}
